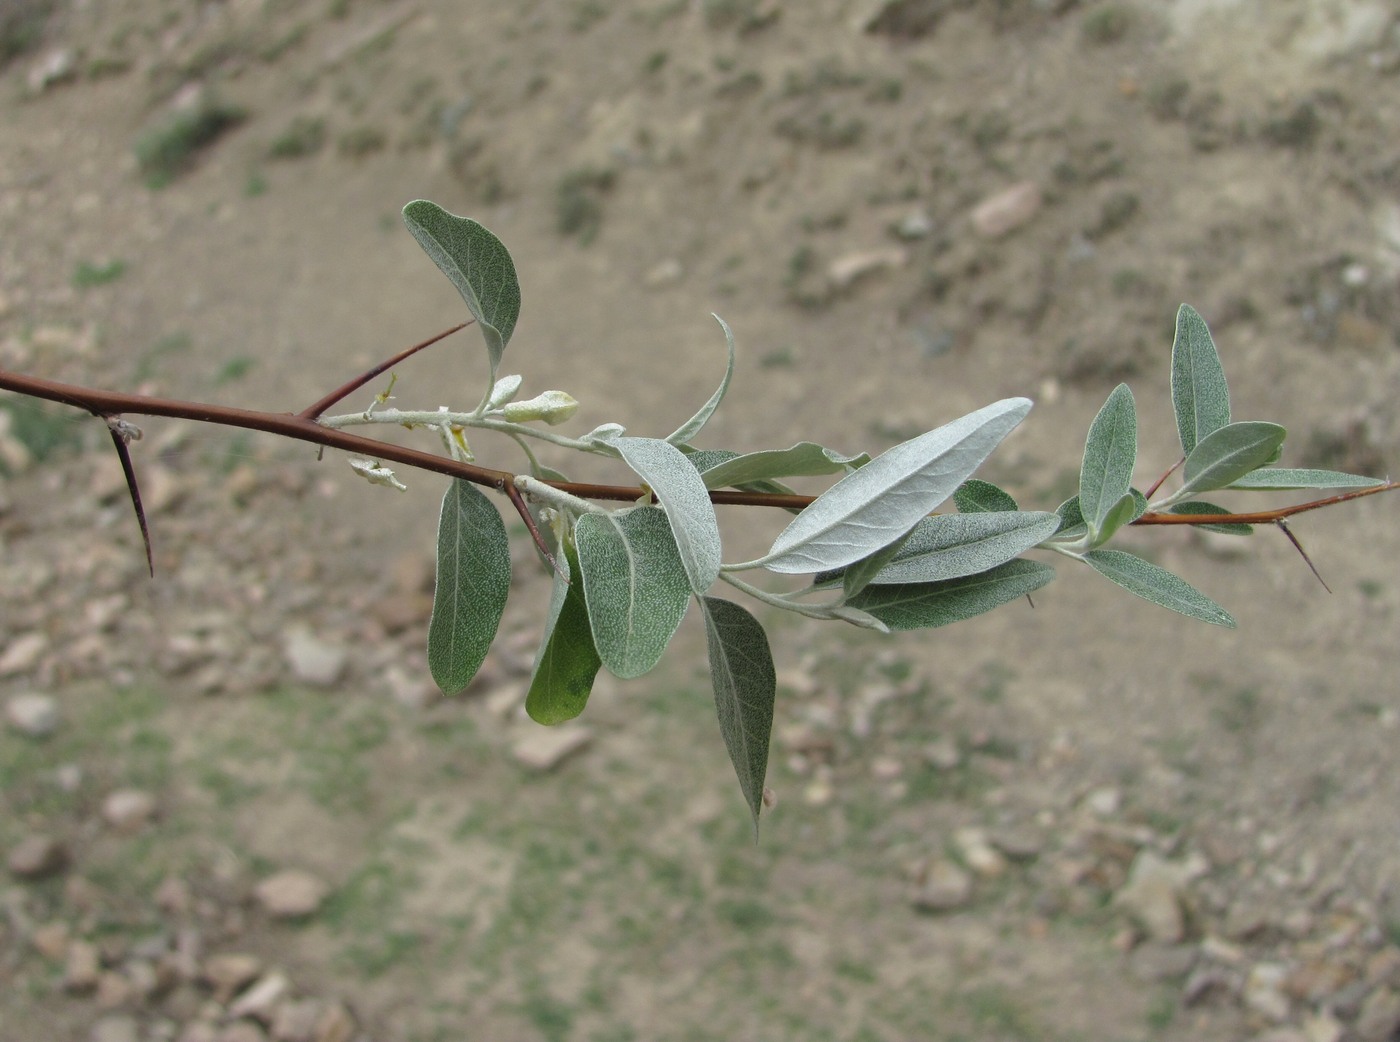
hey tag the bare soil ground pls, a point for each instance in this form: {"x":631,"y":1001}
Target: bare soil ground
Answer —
{"x":647,"y":164}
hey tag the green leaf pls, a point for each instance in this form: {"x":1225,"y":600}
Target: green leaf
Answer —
{"x":1157,"y":585}
{"x":951,"y":545}
{"x":909,"y":606}
{"x":473,"y":578}
{"x":682,"y":494}
{"x":1229,"y":453}
{"x":1283,"y":479}
{"x":477,"y":263}
{"x":567,"y":661}
{"x":1198,"y":507}
{"x":692,"y":426}
{"x":805,"y":459}
{"x":1127,"y":510}
{"x":746,"y":685}
{"x":634,"y":584}
{"x":875,"y":505}
{"x":975,"y":496}
{"x":858,"y":575}
{"x":1200,"y":396}
{"x":1110,"y":453}
{"x":1071,"y":519}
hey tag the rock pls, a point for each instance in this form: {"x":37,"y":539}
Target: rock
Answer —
{"x":113,"y":990}
{"x":543,"y":749}
{"x":119,"y":1027}
{"x":336,"y":1024}
{"x":291,"y":894}
{"x":1153,"y":963}
{"x":198,"y":1031}
{"x":295,"y":1021}
{"x":978,"y":853}
{"x":1323,"y":1027}
{"x":1264,"y":991}
{"x":37,"y":856}
{"x":32,"y":715}
{"x":128,"y":810}
{"x":227,"y":974}
{"x":1152,"y":898}
{"x":82,"y":968}
{"x":312,"y":660}
{"x":1207,"y":983}
{"x":50,"y":941}
{"x":260,"y":1001}
{"x":173,"y":896}
{"x":1379,"y":1018}
{"x":411,"y":690}
{"x":666,"y":273}
{"x":1316,"y":980}
{"x":22,"y":654}
{"x":1007,"y":210}
{"x":1019,"y":843}
{"x":945,"y":887}
{"x":58,"y":66}
{"x":850,"y":269}
{"x":1104,"y":802}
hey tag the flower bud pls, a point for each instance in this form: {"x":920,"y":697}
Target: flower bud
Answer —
{"x":553,"y":407}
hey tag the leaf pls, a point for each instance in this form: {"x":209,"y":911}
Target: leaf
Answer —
{"x":1282,"y":479}
{"x":473,"y":578}
{"x":952,"y":545}
{"x":477,"y":263}
{"x":875,"y":505}
{"x":567,"y":661}
{"x":1197,"y":507}
{"x":1127,"y":510}
{"x":805,"y":459}
{"x":634,"y":585}
{"x":1229,"y":453}
{"x":859,"y":574}
{"x":682,"y":494}
{"x":746,"y":687}
{"x":1110,"y":453}
{"x":1157,"y":585}
{"x":1071,"y":519}
{"x":1200,"y":396}
{"x":909,"y":606}
{"x":692,"y":426}
{"x":975,"y":496}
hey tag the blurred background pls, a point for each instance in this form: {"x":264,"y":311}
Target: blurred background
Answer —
{"x":232,"y":805}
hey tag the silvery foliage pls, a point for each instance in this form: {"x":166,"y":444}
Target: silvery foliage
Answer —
{"x":878,"y":554}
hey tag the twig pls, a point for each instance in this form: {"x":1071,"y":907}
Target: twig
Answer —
{"x":312,"y":412}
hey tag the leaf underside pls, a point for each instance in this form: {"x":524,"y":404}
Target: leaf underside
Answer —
{"x":1200,"y":396}
{"x":910,"y":606}
{"x":635,"y":586}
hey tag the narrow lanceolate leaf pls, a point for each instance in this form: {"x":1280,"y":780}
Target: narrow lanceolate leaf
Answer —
{"x":682,"y":494}
{"x":975,"y":496}
{"x":1229,"y":453}
{"x":1157,"y":585}
{"x":1282,"y":479}
{"x":477,"y":263}
{"x":1198,"y":507}
{"x":805,"y":459}
{"x":634,"y":585}
{"x":473,"y":578}
{"x":875,"y":505}
{"x":746,"y":684}
{"x":911,"y":606}
{"x":953,"y":545}
{"x":1200,"y":396}
{"x":1110,"y":453}
{"x":691,"y":427}
{"x":567,"y":661}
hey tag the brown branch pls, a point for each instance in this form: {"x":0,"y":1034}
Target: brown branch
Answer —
{"x":303,"y":428}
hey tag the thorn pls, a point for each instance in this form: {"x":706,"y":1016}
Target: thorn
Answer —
{"x":1030,"y":602}
{"x":1283,"y":526}
{"x":523,"y":509}
{"x":122,"y":432}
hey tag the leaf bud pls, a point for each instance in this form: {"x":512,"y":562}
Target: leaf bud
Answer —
{"x":553,"y":407}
